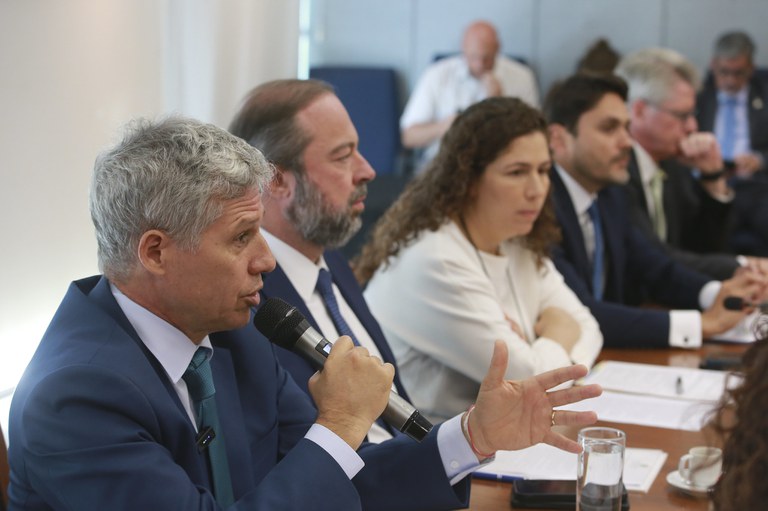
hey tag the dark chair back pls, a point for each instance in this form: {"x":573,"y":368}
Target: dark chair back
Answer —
{"x":370,"y":96}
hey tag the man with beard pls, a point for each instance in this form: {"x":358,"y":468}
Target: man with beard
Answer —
{"x":604,"y":258}
{"x":312,"y":208}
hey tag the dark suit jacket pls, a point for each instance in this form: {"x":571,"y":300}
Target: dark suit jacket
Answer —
{"x":695,"y":221}
{"x":96,"y":424}
{"x":276,"y":284}
{"x":632,"y":262}
{"x":757,"y":107}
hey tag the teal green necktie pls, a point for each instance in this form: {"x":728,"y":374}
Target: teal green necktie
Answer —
{"x":199,"y":380}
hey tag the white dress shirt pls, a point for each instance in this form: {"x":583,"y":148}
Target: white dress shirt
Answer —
{"x":457,"y":457}
{"x":447,"y":87}
{"x":741,"y":140}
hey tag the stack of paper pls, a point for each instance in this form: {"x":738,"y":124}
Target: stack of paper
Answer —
{"x":543,"y":461}
{"x":652,"y":395}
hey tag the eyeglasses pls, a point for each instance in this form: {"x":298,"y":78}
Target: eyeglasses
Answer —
{"x":734,"y":73}
{"x":677,"y":114}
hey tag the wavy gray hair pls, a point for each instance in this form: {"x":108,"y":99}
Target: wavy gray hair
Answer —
{"x":651,"y":73}
{"x":171,"y":175}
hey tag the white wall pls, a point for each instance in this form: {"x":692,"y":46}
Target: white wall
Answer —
{"x":551,"y":34}
{"x":71,"y":73}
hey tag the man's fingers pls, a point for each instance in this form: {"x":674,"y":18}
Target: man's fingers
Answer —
{"x":574,"y":394}
{"x":499,"y":362}
{"x":557,"y":376}
{"x":569,"y":418}
{"x":562,"y":442}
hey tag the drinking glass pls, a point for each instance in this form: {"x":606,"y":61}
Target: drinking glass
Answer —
{"x":601,"y":464}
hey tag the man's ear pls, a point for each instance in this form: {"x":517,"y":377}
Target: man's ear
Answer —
{"x":153,"y":251}
{"x":557,"y":137}
{"x":638,"y":109}
{"x":283,"y":184}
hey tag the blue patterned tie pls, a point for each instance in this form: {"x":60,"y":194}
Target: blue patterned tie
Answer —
{"x":728,"y":140}
{"x":597,"y":255}
{"x":325,"y":288}
{"x":199,"y":382}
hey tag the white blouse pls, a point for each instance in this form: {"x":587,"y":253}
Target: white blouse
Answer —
{"x":441,"y":314}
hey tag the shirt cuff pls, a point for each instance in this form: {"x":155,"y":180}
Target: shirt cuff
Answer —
{"x":708,"y":294}
{"x":455,"y":452}
{"x":349,"y":461}
{"x":685,"y":329}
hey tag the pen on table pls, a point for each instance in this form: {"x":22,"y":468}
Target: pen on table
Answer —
{"x":679,"y":385}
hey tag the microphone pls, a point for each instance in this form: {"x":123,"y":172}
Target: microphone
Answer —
{"x":737,"y":303}
{"x":285,"y":326}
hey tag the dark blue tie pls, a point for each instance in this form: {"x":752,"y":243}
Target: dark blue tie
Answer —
{"x":199,"y":380}
{"x":597,"y":255}
{"x":728,"y":140}
{"x":325,"y":288}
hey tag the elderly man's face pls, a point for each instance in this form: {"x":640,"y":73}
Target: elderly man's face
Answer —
{"x":731,"y":74}
{"x":329,"y":196}
{"x":669,"y":122}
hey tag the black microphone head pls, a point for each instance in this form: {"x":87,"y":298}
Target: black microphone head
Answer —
{"x":733,"y":303}
{"x":280,"y":322}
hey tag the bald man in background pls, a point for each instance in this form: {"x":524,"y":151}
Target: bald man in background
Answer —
{"x":452,"y":84}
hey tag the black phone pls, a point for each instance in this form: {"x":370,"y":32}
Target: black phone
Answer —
{"x":722,"y":362}
{"x":550,"y":494}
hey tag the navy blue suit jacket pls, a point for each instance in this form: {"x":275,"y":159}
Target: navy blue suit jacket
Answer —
{"x":96,"y":424}
{"x":633,"y":263}
{"x":276,"y":284}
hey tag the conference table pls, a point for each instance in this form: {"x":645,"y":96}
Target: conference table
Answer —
{"x":494,"y":496}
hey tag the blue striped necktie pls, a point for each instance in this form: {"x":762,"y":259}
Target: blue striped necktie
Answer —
{"x":598,"y":254}
{"x":199,"y":380}
{"x":325,"y":288}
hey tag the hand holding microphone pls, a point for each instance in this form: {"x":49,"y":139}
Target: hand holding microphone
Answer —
{"x":352,"y":389}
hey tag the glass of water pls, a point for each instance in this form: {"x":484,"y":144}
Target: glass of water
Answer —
{"x":601,"y":464}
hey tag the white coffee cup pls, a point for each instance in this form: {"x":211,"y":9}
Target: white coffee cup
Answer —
{"x":701,"y":467}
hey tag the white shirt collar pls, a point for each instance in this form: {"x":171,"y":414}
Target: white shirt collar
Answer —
{"x":581,"y":198}
{"x":300,"y":270}
{"x":172,"y":348}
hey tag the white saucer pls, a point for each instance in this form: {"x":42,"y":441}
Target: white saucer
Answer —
{"x":675,"y":479}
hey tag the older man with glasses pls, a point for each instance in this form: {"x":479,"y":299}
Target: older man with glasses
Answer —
{"x":678,"y":186}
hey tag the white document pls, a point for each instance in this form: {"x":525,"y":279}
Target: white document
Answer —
{"x":743,"y":332}
{"x":651,"y":411}
{"x":542,"y":461}
{"x":663,"y":381}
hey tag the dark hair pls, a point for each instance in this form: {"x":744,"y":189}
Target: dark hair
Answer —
{"x":267,"y":120}
{"x":742,"y":422}
{"x":476,"y":138}
{"x":734,"y":44}
{"x":569,"y":99}
{"x":599,"y":58}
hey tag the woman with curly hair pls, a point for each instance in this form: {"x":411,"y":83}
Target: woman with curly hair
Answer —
{"x":460,"y":260}
{"x":742,"y":421}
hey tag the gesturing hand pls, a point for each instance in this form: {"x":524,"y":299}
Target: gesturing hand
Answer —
{"x":511,"y":415}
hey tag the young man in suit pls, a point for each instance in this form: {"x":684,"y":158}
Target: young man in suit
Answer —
{"x":150,"y":389}
{"x":602,"y":256}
